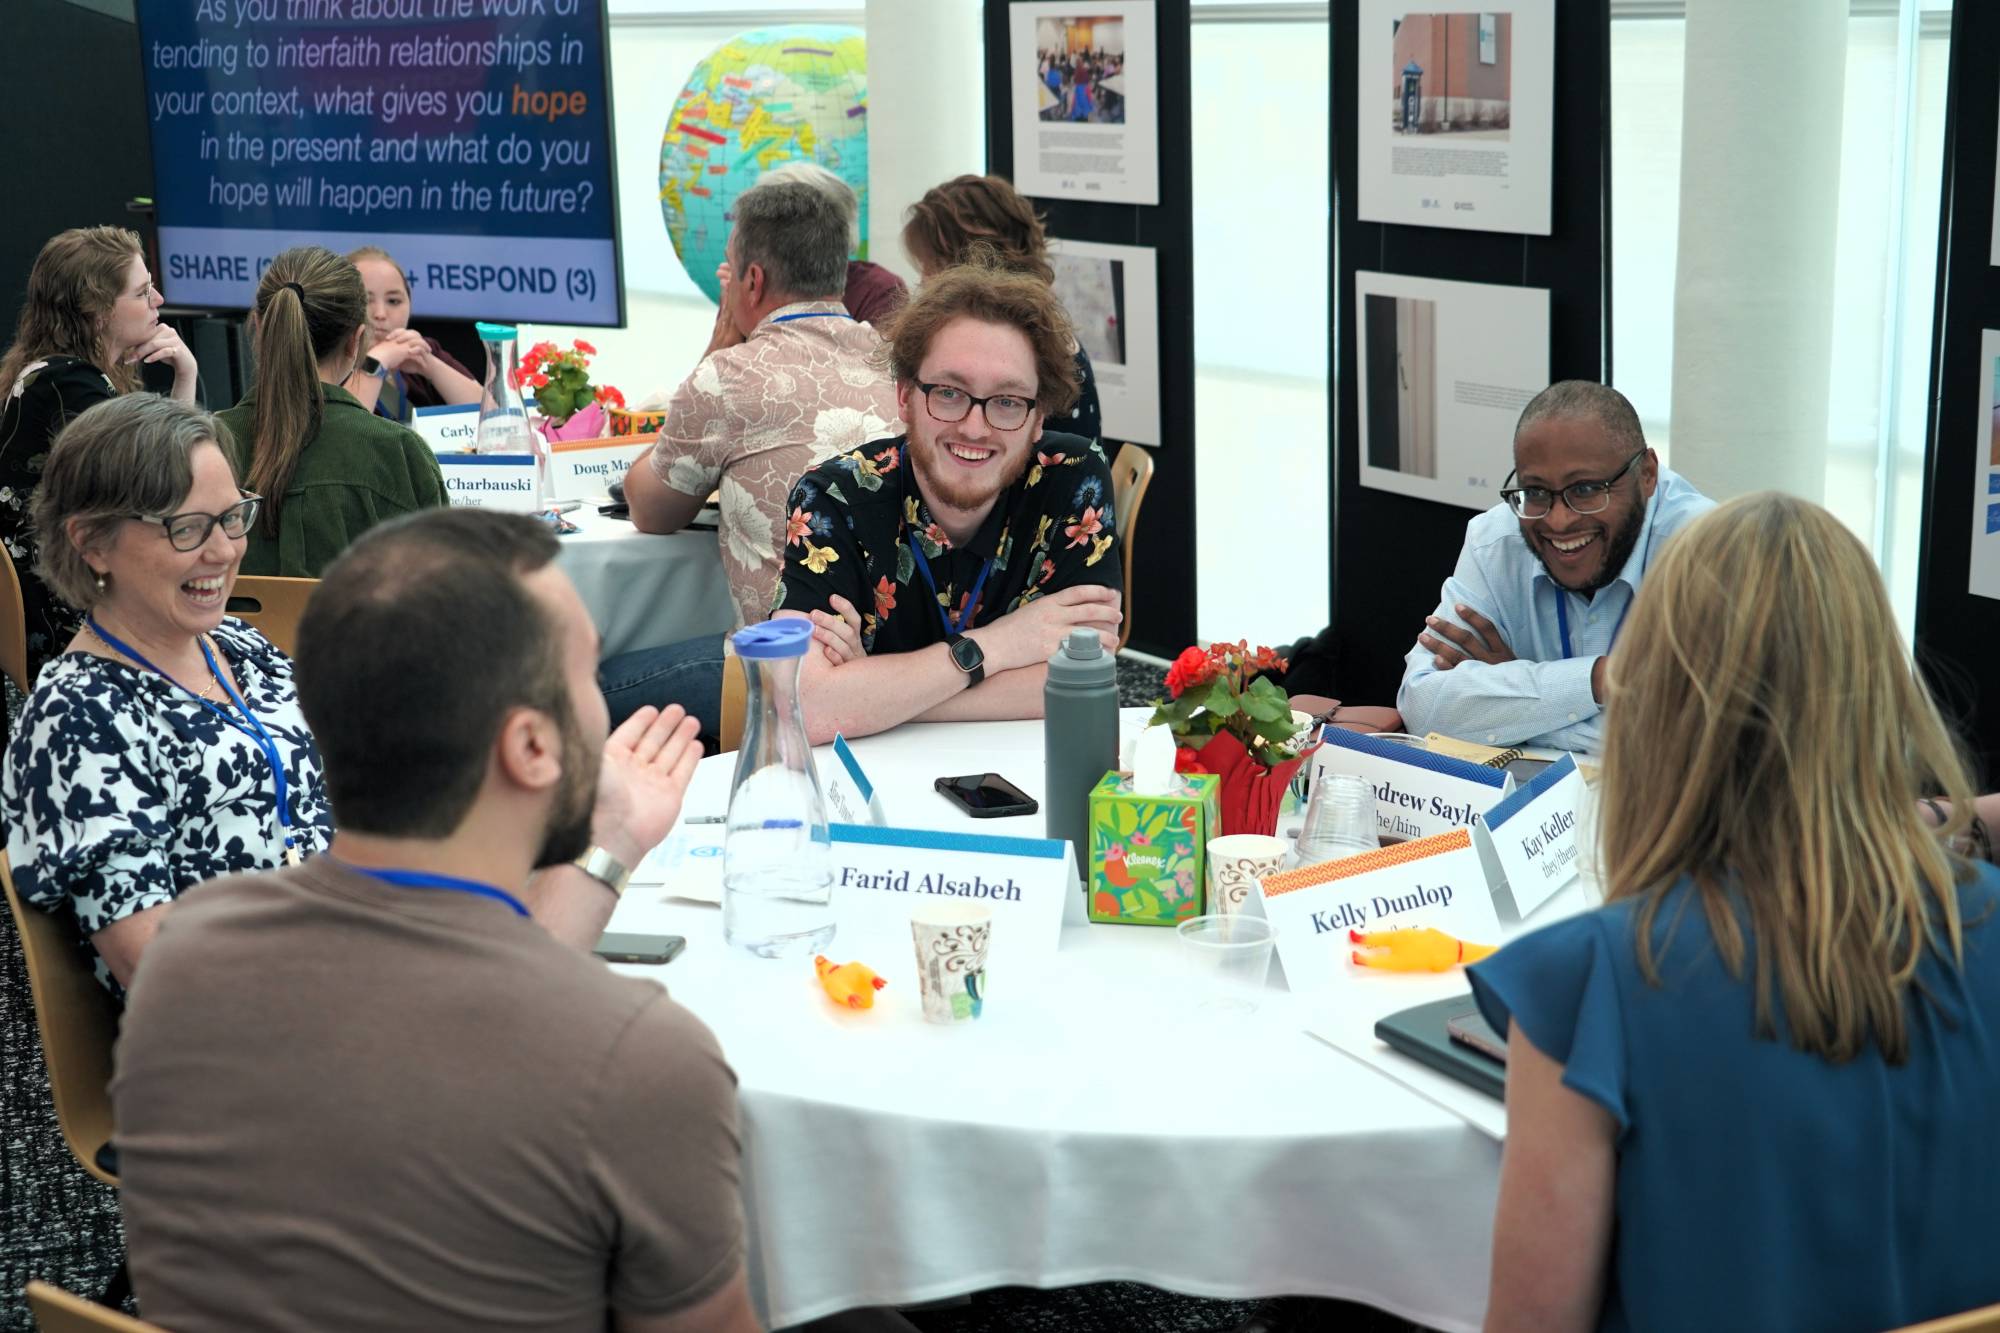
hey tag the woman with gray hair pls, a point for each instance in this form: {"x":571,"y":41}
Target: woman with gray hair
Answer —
{"x":165,"y":746}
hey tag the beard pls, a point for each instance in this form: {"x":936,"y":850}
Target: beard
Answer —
{"x":942,"y":489}
{"x":568,"y":833}
{"x":1619,"y":544}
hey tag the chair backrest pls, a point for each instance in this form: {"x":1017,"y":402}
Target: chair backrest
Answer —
{"x":1131,"y":474}
{"x":13,"y":625}
{"x":57,"y":1311}
{"x":1983,"y":1320}
{"x":735,"y":702}
{"x":78,"y":1022}
{"x":273,"y":606}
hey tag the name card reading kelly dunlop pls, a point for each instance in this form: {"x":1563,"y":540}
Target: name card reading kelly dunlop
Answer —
{"x":881,"y":875}
{"x":450,"y":429}
{"x":582,"y":468}
{"x":1532,"y":834}
{"x":1417,"y":793}
{"x":490,"y":481}
{"x":1436,"y":882}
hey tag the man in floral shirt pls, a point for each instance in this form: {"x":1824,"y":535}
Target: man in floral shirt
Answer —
{"x":944,"y":567}
{"x":789,"y":378}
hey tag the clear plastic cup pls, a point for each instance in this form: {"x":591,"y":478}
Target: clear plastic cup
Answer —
{"x":1340,"y":820}
{"x":1228,"y":958}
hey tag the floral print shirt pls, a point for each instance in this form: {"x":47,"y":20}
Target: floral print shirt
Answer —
{"x":857,"y":522}
{"x":44,"y":397}
{"x":752,"y":418}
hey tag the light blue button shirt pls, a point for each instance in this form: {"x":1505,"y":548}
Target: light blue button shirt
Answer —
{"x":1543,"y":696}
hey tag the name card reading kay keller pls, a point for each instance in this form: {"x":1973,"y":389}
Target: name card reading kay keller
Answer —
{"x":1532,"y":835}
{"x":1417,"y":793}
{"x":881,"y":875}
{"x":1436,"y":882}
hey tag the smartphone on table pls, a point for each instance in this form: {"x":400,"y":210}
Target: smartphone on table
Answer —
{"x":617,"y":947}
{"x":986,"y":796}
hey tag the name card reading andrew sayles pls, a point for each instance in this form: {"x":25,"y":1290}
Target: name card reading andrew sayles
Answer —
{"x":1532,"y":835}
{"x":1436,"y":882}
{"x":1417,"y":793}
{"x":880,"y":875}
{"x":582,"y":468}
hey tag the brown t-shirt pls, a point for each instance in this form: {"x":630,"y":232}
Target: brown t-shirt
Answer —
{"x":342,"y":1104}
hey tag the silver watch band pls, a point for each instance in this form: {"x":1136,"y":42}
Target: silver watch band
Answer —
{"x":606,"y":869}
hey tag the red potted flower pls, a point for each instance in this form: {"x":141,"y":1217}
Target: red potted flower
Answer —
{"x":1228,"y":717}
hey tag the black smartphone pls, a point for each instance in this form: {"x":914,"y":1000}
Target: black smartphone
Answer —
{"x":614,"y":947}
{"x":1473,"y":1030}
{"x":986,"y":796}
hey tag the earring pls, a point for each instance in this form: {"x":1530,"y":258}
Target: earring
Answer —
{"x":100,"y":585}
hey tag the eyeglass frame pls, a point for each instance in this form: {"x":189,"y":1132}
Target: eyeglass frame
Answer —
{"x":1563,"y":492}
{"x":167,"y":521}
{"x":972,"y":401}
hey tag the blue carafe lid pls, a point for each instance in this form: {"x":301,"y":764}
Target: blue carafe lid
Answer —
{"x":496,"y":333}
{"x":774,"y":639}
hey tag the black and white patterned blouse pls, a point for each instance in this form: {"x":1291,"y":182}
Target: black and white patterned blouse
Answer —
{"x":121,"y":791}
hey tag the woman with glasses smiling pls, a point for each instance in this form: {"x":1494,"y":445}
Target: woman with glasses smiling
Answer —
{"x":165,"y":746}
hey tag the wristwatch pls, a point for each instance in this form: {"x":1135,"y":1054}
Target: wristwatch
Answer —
{"x":967,"y":657}
{"x":606,"y":869}
{"x":370,"y":366}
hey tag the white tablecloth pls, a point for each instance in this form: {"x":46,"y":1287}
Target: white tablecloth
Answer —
{"x":1091,"y":1127}
{"x":644,"y":591}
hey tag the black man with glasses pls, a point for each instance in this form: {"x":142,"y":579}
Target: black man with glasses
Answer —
{"x":1514,"y":653}
{"x":972,"y":544}
{"x":165,"y":746}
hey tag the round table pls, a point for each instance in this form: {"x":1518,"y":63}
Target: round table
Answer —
{"x":1091,"y":1126}
{"x":644,"y":590}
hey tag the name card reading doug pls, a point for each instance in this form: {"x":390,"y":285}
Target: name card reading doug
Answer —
{"x":1436,"y":882}
{"x":1417,"y":793}
{"x":580,"y":468}
{"x":1532,"y":835}
{"x":881,"y":875}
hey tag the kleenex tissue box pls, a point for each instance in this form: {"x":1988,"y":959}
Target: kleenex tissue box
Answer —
{"x":1146,"y":852}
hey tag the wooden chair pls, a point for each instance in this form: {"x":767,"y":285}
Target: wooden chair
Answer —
{"x":57,"y":1311}
{"x":78,"y":1022}
{"x":1986,"y":1320}
{"x":13,"y":626}
{"x":273,"y":606}
{"x":1131,"y":474}
{"x":735,"y":702}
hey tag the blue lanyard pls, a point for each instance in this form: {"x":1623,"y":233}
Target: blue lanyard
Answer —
{"x":249,"y":725}
{"x":811,"y":314}
{"x":951,"y":626}
{"x":1562,"y":595}
{"x":414,"y":879}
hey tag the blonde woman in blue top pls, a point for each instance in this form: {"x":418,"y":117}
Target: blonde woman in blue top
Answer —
{"x":1759,"y":1088}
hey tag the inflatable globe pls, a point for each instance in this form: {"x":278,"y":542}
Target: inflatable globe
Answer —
{"x":765,"y":97}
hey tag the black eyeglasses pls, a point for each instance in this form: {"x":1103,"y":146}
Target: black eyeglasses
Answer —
{"x":188,"y":531}
{"x":1582,"y":497}
{"x":948,"y":403}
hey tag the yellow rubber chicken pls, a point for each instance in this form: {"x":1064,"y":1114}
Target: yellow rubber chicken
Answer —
{"x":1422,"y":950}
{"x":851,"y":984}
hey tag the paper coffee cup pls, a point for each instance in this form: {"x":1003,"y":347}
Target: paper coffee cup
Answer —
{"x":1236,"y":862}
{"x":951,"y":940}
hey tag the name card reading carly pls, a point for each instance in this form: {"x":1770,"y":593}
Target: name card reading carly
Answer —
{"x":880,"y":875}
{"x":491,"y":481}
{"x":579,"y":468}
{"x":1417,"y":793}
{"x":1532,"y":833}
{"x":450,"y":429}
{"x":1435,"y":881}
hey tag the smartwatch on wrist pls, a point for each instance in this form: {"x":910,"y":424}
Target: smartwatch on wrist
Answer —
{"x":967,"y":657}
{"x":606,"y":869}
{"x":373,"y":368}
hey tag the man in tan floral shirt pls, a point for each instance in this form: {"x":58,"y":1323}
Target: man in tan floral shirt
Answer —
{"x":790,"y":379}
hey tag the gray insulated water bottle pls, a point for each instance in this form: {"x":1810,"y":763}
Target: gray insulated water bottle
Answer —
{"x":1079,"y":734}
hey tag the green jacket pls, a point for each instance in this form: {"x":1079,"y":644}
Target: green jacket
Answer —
{"x":358,"y":471}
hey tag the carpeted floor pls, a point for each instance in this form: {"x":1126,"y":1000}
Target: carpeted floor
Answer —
{"x":1141,"y":681}
{"x":1128,"y":1307}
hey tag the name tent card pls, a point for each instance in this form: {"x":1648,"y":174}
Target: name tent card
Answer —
{"x":1436,"y":881}
{"x":1417,"y":793}
{"x":579,"y":468}
{"x":1532,"y":835}
{"x":881,"y":875}
{"x":447,"y":430}
{"x":491,"y":481}
{"x":850,"y":797}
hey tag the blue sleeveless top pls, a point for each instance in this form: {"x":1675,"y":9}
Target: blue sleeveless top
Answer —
{"x":1760,"y":1187}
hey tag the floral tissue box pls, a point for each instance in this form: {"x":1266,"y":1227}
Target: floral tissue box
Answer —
{"x":1146,"y":852}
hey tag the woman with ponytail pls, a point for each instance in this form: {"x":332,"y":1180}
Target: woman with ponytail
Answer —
{"x":328,"y":468}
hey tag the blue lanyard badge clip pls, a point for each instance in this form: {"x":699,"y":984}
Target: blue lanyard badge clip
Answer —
{"x":958,"y":624}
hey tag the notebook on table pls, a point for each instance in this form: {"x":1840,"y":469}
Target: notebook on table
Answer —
{"x":1425,"y":1035}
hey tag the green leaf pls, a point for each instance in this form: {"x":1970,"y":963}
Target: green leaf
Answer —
{"x":1220,"y":701}
{"x":1128,"y":819}
{"x":833,"y":489}
{"x":906,"y":564}
{"x":1157,"y":823}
